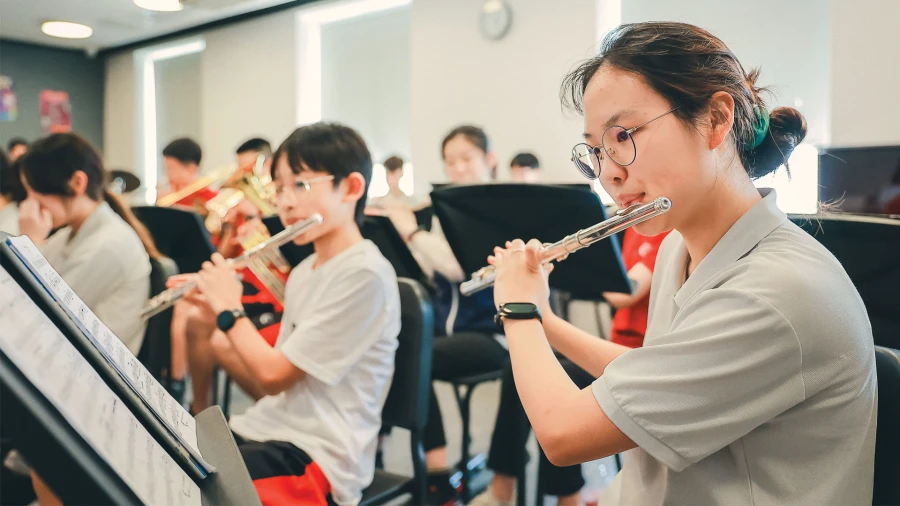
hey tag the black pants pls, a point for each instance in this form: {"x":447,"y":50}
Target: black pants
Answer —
{"x":507,"y":454}
{"x":456,"y":356}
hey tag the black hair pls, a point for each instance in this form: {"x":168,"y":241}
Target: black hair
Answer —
{"x":393,"y":163}
{"x":331,"y":148}
{"x":48,"y":167}
{"x":525,"y":160}
{"x":473,"y":134}
{"x":257,"y":145}
{"x":16,"y":141}
{"x":687,"y":65}
{"x":10,"y":184}
{"x":184,"y":150}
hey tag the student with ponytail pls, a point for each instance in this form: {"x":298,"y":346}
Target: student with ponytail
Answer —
{"x":100,"y":249}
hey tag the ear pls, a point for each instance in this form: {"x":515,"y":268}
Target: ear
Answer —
{"x":492,"y":162}
{"x":721,"y":111}
{"x":78,"y":183}
{"x":354,"y":187}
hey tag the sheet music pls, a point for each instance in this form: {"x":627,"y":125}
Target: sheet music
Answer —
{"x":40,"y":351}
{"x":144,"y":383}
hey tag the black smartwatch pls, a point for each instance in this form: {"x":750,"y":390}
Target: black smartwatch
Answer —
{"x":226,"y":319}
{"x":517,"y":311}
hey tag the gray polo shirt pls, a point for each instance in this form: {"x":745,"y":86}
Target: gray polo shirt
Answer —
{"x":756,"y":383}
{"x":107,"y":266}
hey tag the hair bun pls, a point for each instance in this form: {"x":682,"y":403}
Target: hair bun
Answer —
{"x":787,"y":129}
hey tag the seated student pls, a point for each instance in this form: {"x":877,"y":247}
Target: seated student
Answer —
{"x":525,"y":168}
{"x":311,"y":436}
{"x":11,"y":193}
{"x":507,"y":456}
{"x":16,"y":148}
{"x":756,"y":383}
{"x":471,"y":345}
{"x":189,"y":325}
{"x":101,"y":250}
{"x":393,"y":172}
{"x":182,"y":160}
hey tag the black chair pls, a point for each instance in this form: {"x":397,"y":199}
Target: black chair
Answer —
{"x":887,"y":439}
{"x":407,"y":402}
{"x":156,"y":349}
{"x":463,"y":388}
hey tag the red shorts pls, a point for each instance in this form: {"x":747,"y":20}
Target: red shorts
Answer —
{"x":284,"y":474}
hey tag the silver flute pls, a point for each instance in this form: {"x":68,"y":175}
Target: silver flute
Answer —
{"x":558,"y":251}
{"x":168,"y":298}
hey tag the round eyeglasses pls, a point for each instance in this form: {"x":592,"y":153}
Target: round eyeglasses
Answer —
{"x":616,"y":142}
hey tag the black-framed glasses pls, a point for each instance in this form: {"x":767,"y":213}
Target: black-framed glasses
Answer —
{"x":616,"y":142}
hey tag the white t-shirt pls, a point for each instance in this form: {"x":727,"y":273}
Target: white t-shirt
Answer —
{"x":340,"y":326}
{"x":756,"y":382}
{"x":9,"y":219}
{"x":107,"y":266}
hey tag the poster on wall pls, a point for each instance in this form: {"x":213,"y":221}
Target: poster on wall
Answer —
{"x":56,"y":113}
{"x":8,"y":110}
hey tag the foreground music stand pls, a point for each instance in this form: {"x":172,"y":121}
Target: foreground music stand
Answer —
{"x":476,"y":218}
{"x":378,"y":229}
{"x":178,"y":234}
{"x":230,"y":484}
{"x":867,"y":247}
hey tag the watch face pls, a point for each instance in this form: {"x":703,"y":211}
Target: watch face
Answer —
{"x":225,"y":320}
{"x":519,"y":307}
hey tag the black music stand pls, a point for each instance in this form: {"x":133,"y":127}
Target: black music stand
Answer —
{"x":178,"y":234}
{"x":230,"y":484}
{"x":476,"y":218}
{"x":867,"y":247}
{"x":378,"y":229}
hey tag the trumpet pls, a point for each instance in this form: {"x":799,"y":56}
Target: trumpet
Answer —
{"x":558,"y":251}
{"x":169,"y":297}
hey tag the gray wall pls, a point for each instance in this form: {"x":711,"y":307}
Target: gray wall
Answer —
{"x":34,"y":68}
{"x":178,"y":103}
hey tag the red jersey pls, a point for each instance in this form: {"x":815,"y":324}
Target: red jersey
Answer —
{"x":630,"y":323}
{"x":202,"y":195}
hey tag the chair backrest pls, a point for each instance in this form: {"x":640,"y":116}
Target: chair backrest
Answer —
{"x":155,"y":352}
{"x":407,"y":402}
{"x":887,"y":439}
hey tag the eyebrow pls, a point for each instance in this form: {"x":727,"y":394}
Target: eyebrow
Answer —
{"x":613,"y":120}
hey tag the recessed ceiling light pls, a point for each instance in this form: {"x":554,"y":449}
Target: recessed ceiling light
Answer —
{"x":66,"y":30}
{"x":160,"y":5}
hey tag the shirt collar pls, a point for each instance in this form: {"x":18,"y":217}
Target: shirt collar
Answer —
{"x":93,"y":223}
{"x":751,"y":228}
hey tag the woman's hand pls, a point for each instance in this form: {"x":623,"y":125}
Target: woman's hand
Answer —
{"x":34,"y":221}
{"x":521,"y":277}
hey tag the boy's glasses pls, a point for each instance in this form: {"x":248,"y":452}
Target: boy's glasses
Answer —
{"x":302,"y":186}
{"x":617,"y":143}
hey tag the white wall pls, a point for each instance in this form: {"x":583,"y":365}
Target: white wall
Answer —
{"x":366,"y":78}
{"x":249,"y":75}
{"x":865,"y":73}
{"x":789,"y":41}
{"x":119,"y":113}
{"x":509,"y":87}
{"x":178,"y":102}
{"x":247,"y":89}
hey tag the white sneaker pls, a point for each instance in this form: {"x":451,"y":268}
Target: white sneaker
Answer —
{"x":487,"y":498}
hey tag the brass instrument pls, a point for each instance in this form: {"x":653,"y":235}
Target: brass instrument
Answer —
{"x":558,"y":251}
{"x":215,"y":179}
{"x":169,"y":297}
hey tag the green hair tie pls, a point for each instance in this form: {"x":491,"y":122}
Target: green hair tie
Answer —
{"x":762,"y":126}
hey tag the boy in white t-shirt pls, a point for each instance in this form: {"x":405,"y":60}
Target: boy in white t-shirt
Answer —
{"x":311,"y":439}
